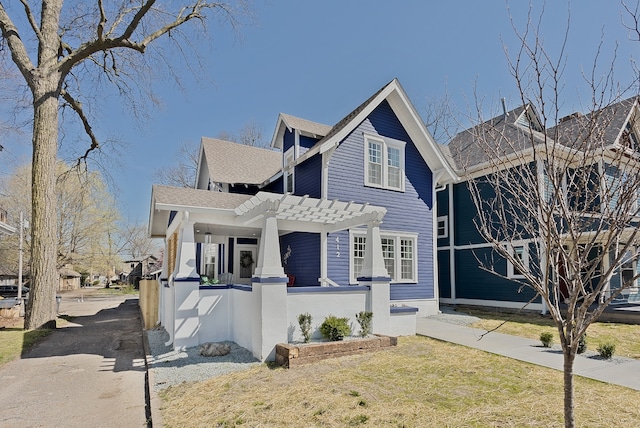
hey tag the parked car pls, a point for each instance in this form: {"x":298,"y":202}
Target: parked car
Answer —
{"x":12,"y":291}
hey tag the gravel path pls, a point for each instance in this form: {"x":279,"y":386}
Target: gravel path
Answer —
{"x":174,"y":367}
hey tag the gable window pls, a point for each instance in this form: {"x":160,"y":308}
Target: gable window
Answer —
{"x":398,"y":253}
{"x":288,"y":173}
{"x":384,"y":163}
{"x":443,"y":226}
{"x":520,"y":252}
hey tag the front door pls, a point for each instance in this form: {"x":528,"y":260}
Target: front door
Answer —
{"x":245,"y":263}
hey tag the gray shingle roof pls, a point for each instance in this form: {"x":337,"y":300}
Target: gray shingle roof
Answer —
{"x":305,"y":125}
{"x":601,"y":127}
{"x":235,"y":163}
{"x":502,"y":131}
{"x":181,"y":196}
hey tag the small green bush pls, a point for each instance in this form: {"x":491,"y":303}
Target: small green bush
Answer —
{"x":547,"y":339}
{"x":582,"y":344}
{"x":305,"y":326}
{"x":606,"y":350}
{"x":364,"y":319}
{"x":334,"y":328}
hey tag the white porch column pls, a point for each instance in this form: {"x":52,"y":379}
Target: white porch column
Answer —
{"x":375,"y":275}
{"x":186,"y":283}
{"x":269,"y":289}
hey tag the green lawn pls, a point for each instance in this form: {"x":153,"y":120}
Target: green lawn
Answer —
{"x":421,"y":382}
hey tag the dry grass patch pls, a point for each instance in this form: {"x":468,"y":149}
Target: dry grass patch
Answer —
{"x":625,"y":336}
{"x":420,"y":383}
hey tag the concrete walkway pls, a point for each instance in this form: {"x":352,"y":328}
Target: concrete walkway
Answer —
{"x":88,"y":373}
{"x":619,"y":371}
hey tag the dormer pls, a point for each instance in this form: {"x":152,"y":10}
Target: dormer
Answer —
{"x":529,"y":119}
{"x":294,"y":136}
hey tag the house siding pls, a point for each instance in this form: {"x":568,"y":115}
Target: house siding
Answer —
{"x":464,"y":214}
{"x":475,"y":283}
{"x":442,"y":206}
{"x":304,"y":259}
{"x":444,"y":274}
{"x":306,"y":143}
{"x":308,"y":178}
{"x":408,"y":211}
{"x":288,"y":140}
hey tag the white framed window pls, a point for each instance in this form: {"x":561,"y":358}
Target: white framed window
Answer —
{"x":399,"y":252}
{"x":521,"y":252}
{"x":288,"y":175}
{"x":384,"y":162}
{"x":443,"y":226}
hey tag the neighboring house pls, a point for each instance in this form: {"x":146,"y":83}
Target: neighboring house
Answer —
{"x":69,"y":279}
{"x":5,"y":228}
{"x":276,"y":233}
{"x":141,"y":267}
{"x":460,"y":245}
{"x":6,"y":276}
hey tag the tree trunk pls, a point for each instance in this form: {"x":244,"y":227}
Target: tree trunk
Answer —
{"x":569,"y":416}
{"x":41,"y":312}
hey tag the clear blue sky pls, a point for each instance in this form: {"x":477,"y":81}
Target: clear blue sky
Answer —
{"x":320,"y":59}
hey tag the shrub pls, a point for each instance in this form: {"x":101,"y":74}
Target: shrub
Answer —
{"x":582,"y":344}
{"x":334,"y":328}
{"x":364,"y":319}
{"x":305,"y":326}
{"x":606,"y":350}
{"x":547,"y":339}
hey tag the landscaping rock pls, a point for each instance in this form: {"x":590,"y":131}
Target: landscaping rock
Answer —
{"x":211,"y":349}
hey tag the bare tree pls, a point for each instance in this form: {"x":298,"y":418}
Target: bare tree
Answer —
{"x":558,"y":197}
{"x":56,"y":50}
{"x":182,"y":173}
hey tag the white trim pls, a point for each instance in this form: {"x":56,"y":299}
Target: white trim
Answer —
{"x":492,"y":303}
{"x":397,"y":236}
{"x":445,"y":220}
{"x":512,"y":248}
{"x":385,"y":143}
{"x":288,"y":170}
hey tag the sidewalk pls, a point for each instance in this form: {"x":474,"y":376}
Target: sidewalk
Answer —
{"x":618,"y":370}
{"x":88,"y":373}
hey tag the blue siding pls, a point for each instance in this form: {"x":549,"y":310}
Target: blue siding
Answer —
{"x":306,"y":143}
{"x":409,"y":211}
{"x":474,"y":283}
{"x":442,"y":205}
{"x":444,"y":274}
{"x":275,"y":187}
{"x":304,"y":259}
{"x":464,"y":214}
{"x":308,"y":177}
{"x":289,"y":140}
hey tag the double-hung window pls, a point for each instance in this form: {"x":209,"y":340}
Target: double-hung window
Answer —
{"x":398,"y":253}
{"x":384,"y":162}
{"x":520,"y":252}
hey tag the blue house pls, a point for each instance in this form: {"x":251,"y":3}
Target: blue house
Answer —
{"x":265,"y":235}
{"x":602,"y":144}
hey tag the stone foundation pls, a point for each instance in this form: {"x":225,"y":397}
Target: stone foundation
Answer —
{"x":292,"y":355}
